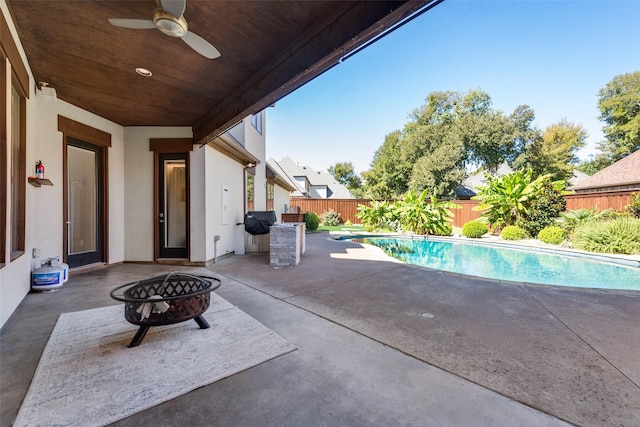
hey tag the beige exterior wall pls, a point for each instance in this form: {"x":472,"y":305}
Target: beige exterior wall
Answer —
{"x":254,"y":143}
{"x":138,"y":166}
{"x":224,"y":189}
{"x":280,"y":199}
{"x":130,"y":192}
{"x":44,"y":210}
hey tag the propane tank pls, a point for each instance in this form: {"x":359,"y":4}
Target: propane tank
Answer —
{"x":57,"y":262}
{"x":47,"y":277}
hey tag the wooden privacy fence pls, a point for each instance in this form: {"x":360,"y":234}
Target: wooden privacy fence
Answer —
{"x":347,"y":208}
{"x":617,"y":200}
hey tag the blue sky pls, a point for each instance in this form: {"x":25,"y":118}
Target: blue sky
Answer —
{"x":551,"y":55}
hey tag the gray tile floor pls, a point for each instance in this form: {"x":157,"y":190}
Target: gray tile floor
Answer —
{"x":486,"y":354}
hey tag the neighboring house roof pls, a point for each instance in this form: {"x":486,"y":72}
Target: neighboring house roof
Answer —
{"x":477,"y":178}
{"x":469,"y":187}
{"x":622,"y":175}
{"x":317,"y":180}
{"x":464,"y":192}
{"x":577,"y":178}
{"x":276,"y":178}
{"x":297,"y":191}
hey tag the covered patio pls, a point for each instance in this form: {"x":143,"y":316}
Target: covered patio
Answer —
{"x":150,"y":119}
{"x":381,"y":343}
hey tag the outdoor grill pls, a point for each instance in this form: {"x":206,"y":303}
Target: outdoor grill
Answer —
{"x":258,"y":222}
{"x":163,"y":300}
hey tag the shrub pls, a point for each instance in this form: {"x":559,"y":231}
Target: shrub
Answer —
{"x":543,"y":209}
{"x":505,"y":199}
{"x":380,"y":215}
{"x":347,"y":222}
{"x":330,"y":218}
{"x":617,"y":236}
{"x":474,"y":229}
{"x":552,"y":234}
{"x":444,"y":230}
{"x":312,"y":221}
{"x":417,"y":215}
{"x":573,"y":218}
{"x":513,"y":232}
{"x":634,"y":207}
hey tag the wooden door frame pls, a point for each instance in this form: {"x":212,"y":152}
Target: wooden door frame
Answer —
{"x":102,"y":140}
{"x":169,"y":146}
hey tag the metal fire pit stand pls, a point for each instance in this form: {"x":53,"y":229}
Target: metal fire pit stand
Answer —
{"x":163,"y":300}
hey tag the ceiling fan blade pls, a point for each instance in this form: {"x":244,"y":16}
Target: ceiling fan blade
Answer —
{"x":174,"y":7}
{"x":200,"y":45}
{"x":136,"y":24}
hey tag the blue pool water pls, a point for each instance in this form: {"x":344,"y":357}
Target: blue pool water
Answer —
{"x":511,"y":264}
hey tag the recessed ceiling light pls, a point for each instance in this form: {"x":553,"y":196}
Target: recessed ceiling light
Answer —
{"x":144,"y":72}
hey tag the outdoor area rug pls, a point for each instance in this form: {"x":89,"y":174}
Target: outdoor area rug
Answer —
{"x":88,"y":376}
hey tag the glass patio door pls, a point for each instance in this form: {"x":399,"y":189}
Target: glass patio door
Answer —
{"x":84,"y":207}
{"x":173,"y":224}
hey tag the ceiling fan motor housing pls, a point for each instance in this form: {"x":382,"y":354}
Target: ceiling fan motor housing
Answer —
{"x":169,"y":24}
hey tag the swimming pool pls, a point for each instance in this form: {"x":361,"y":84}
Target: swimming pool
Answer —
{"x":511,"y":263}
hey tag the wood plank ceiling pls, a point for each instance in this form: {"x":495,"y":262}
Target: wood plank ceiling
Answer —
{"x":269,"y":48}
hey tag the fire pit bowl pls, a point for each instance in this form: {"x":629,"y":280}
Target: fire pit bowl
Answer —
{"x":163,"y":300}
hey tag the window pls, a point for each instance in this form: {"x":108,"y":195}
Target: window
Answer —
{"x":256,"y":121}
{"x":250,"y":191}
{"x":270,"y":195}
{"x":18,"y":172}
{"x":3,"y":163}
{"x":14,"y":91}
{"x":302,"y":181}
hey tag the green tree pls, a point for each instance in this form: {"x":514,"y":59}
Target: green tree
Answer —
{"x":594,"y":164}
{"x":545,"y":207}
{"x":619,"y":104}
{"x":387,"y":178}
{"x":526,"y":134}
{"x":555,"y":152}
{"x":346,"y":175}
{"x":444,"y":137}
{"x":436,"y":156}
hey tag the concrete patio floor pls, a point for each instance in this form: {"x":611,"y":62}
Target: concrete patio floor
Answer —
{"x":381,"y":343}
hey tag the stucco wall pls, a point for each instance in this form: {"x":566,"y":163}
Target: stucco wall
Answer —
{"x":223,"y":173}
{"x":138,"y":194}
{"x":130,"y":187}
{"x":254,"y":143}
{"x":210,"y":172}
{"x":280,"y":199}
{"x":43,"y":205}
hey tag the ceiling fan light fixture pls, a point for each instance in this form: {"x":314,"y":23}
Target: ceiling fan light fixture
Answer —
{"x":144,"y":72}
{"x":169,"y":24}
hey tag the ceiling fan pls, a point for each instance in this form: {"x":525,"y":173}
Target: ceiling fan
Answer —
{"x":168,"y":18}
